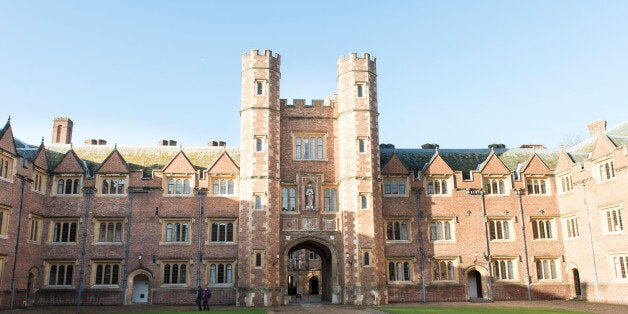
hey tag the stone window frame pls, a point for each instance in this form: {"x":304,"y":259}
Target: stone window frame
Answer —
{"x":392,"y":186}
{"x":451,"y":264}
{"x":618,"y":266}
{"x":216,"y":185}
{"x":172,"y":189}
{"x":35,"y":226}
{"x":510,"y":271}
{"x":101,"y":179}
{"x":98,"y":221}
{"x":333,"y":197}
{"x":6,"y":166}
{"x":362,"y":142}
{"x":538,"y":186}
{"x":496,"y":224}
{"x":289,"y":198}
{"x":496,"y":185}
{"x":571,"y":228}
{"x":39,"y":181}
{"x":399,"y":269}
{"x":257,"y":202}
{"x":215,"y":281}
{"x":104,"y":263}
{"x":564,"y":183}
{"x":75,"y":185}
{"x":615,"y":215}
{"x":61,"y":222}
{"x":298,"y":146}
{"x":361,"y":89}
{"x":170,"y":263}
{"x":259,"y":143}
{"x":48,"y":266}
{"x":219,"y":221}
{"x":260,"y":87}
{"x":435,"y":229}
{"x":164,"y":231}
{"x":3,"y":259}
{"x":439,"y":183}
{"x":543,"y":228}
{"x":604,"y":170}
{"x":391,"y":225}
{"x":258,"y":259}
{"x":365,"y":201}
{"x":547,"y":268}
{"x":5,"y":216}
{"x":366,"y":257}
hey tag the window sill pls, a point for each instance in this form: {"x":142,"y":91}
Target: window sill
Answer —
{"x":398,"y":241}
{"x":109,"y":243}
{"x":221,"y":243}
{"x":174,"y":285}
{"x":401,"y":283}
{"x":62,"y":243}
{"x":174,"y":243}
{"x":105,"y":287}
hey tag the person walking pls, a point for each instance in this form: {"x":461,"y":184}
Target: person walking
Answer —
{"x":199,"y":297}
{"x":206,"y":297}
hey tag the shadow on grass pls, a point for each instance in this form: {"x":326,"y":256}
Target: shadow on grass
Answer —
{"x":470,"y":310}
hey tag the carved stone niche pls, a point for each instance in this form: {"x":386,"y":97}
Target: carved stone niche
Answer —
{"x":309,"y":191}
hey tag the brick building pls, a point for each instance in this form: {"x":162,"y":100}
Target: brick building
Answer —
{"x":310,"y":204}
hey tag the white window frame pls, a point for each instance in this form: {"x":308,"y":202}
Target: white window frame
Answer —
{"x":571,"y":228}
{"x":616,"y":216}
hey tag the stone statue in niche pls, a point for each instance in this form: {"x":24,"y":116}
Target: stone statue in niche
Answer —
{"x":309,"y":196}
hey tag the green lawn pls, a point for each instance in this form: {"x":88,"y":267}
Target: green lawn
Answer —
{"x":470,"y":310}
{"x":247,"y":311}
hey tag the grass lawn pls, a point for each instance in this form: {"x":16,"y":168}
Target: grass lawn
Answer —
{"x":469,"y":310}
{"x":247,"y":311}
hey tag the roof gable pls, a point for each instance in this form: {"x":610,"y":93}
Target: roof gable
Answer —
{"x":493,"y":165}
{"x":395,"y":166}
{"x":438,"y":165}
{"x":535,"y":166}
{"x":41,"y":160}
{"x":70,"y":163}
{"x":564,"y":161}
{"x":223,"y":165}
{"x":603,"y":147}
{"x":114,"y":163}
{"x":6,"y":139}
{"x":179,"y":164}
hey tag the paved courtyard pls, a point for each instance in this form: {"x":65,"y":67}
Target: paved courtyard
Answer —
{"x":320,"y":307}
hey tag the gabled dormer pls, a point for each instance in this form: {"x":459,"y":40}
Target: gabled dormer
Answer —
{"x":40,"y":170}
{"x":537,"y":176}
{"x":8,"y":152}
{"x":69,"y":175}
{"x":495,"y":176}
{"x":112,"y":176}
{"x":439,"y":177}
{"x":602,"y":159}
{"x":223,"y":176}
{"x":179,"y":176}
{"x":564,"y":181}
{"x":395,"y":175}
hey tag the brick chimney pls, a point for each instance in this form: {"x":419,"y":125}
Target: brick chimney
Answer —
{"x":62,"y":130}
{"x":597,"y":127}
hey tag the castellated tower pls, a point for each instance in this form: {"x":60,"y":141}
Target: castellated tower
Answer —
{"x":259,"y":180}
{"x":359,"y":177}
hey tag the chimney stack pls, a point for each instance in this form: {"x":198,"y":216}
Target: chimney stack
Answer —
{"x":62,"y":130}
{"x":597,"y":127}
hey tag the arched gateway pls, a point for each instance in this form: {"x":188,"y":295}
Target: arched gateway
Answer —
{"x":320,"y":261}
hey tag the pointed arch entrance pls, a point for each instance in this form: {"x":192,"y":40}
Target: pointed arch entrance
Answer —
{"x":576,"y":282}
{"x":319,"y":262}
{"x":474,"y":280}
{"x":139,"y":286}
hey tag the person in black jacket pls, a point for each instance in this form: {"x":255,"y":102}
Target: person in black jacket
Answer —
{"x":208,"y":294}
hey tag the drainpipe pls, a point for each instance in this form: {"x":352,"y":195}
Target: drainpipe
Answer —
{"x":586,"y":206}
{"x":125,"y":269}
{"x":201,"y":196}
{"x":23,"y":181}
{"x":88,"y":196}
{"x":525,"y":242}
{"x":487,"y":257}
{"x":417,"y":192}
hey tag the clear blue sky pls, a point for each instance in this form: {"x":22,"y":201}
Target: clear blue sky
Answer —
{"x":462,"y":74}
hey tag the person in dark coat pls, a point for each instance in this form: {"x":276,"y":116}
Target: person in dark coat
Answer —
{"x":199,"y":297}
{"x":208,"y":294}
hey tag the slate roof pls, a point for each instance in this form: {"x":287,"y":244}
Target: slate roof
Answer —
{"x":618,"y":135}
{"x":139,"y":158}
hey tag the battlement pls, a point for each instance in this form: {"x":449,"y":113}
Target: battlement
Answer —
{"x":354,"y":55}
{"x":264,"y":53}
{"x":327,"y":102}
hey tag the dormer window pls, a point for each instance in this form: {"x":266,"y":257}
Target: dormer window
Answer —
{"x":179,"y":186}
{"x":605,"y":170}
{"x":113,"y":185}
{"x":395,"y":186}
{"x":68,"y":185}
{"x":6,"y":167}
{"x":538,"y":186}
{"x":438,"y":185}
{"x":39,"y":181}
{"x":495,"y":186}
{"x":224,"y":186}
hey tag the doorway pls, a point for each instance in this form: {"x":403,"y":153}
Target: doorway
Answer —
{"x":314,"y":285}
{"x":140,"y":289}
{"x":576,"y":282}
{"x":475,"y":284}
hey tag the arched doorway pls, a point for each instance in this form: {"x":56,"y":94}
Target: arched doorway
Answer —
{"x":576,"y":282}
{"x":314,"y":285}
{"x":141,"y":289}
{"x":30,"y":285}
{"x":319,"y":263}
{"x":474,"y":279}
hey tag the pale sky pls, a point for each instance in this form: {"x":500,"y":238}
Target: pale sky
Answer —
{"x":463,"y":74}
